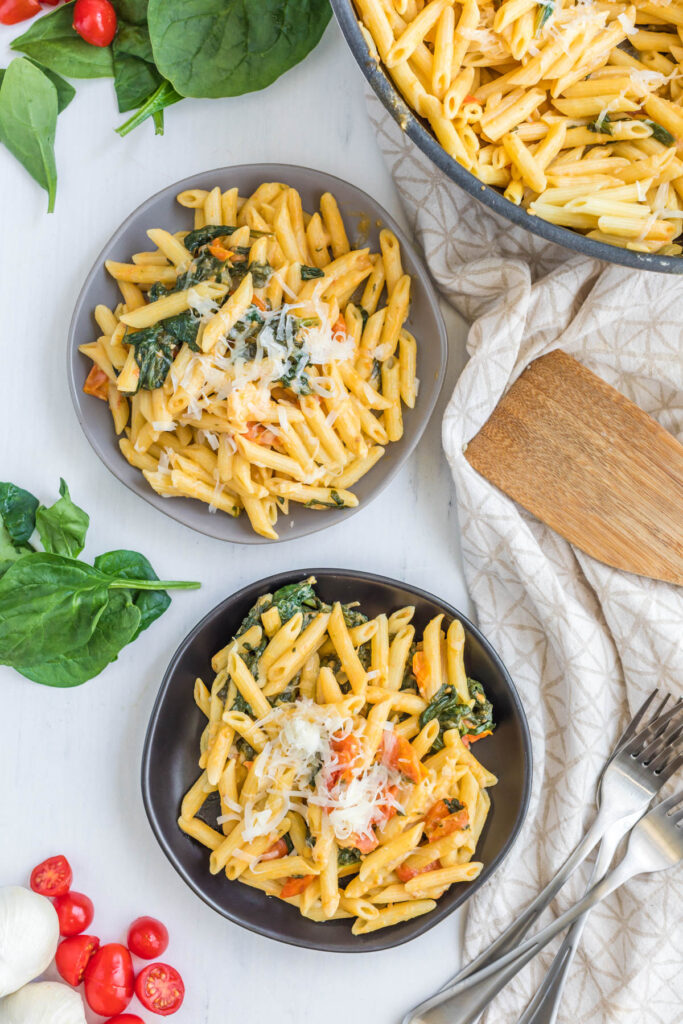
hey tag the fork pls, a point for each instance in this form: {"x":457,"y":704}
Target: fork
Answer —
{"x":635,"y":772}
{"x":655,"y":843}
{"x":544,"y":1007}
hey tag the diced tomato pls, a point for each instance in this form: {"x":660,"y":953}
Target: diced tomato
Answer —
{"x":339,"y":325}
{"x":405,"y":873}
{"x":277,"y":850}
{"x":295,"y":885}
{"x":218,"y":250}
{"x":258,"y":433}
{"x":469,"y":739}
{"x":396,"y":752}
{"x":14,"y":11}
{"x":97,"y":383}
{"x":365,"y":843}
{"x":259,"y":303}
{"x":348,"y":751}
{"x":440,"y":821}
{"x":421,"y":670}
{"x":471,"y":99}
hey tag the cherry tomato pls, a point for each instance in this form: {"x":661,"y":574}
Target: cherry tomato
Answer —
{"x":53,"y":877}
{"x":72,"y":956}
{"x":160,"y":989}
{"x":109,"y":980}
{"x":147,"y":938}
{"x":125,"y":1018}
{"x":14,"y":11}
{"x":75,"y":912}
{"x":95,"y":21}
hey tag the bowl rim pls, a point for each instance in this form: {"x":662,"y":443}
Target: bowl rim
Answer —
{"x":410,"y":123}
{"x":421,"y":924}
{"x":117,"y":466}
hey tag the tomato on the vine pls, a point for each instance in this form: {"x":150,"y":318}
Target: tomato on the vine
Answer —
{"x":52,"y":877}
{"x":95,"y":21}
{"x":147,"y":938}
{"x":72,"y":956}
{"x":160,"y":989}
{"x":75,"y":912}
{"x":109,"y":980}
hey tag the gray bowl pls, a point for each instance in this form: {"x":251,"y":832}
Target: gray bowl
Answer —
{"x":417,"y":129}
{"x":161,"y":210}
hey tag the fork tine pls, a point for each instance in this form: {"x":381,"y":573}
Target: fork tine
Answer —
{"x":670,"y":802}
{"x":632,"y":726}
{"x":670,"y":740}
{"x":650,"y":731}
{"x":675,"y":818}
{"x":666,"y":773}
{"x":663,"y":739}
{"x":662,"y":704}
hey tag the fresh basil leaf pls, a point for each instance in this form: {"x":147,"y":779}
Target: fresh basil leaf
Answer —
{"x":28,"y":121}
{"x":132,"y":565}
{"x":18,"y":511}
{"x":65,"y":91}
{"x":49,"y":605}
{"x":210,"y":48}
{"x":53,"y":42}
{"x":63,"y":526}
{"x":118,"y":625}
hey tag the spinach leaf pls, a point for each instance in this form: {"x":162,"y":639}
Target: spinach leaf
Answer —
{"x":164,"y":96}
{"x":134,"y":12}
{"x":135,"y":74}
{"x":445,"y":706}
{"x":184,"y":327}
{"x":154,"y":353}
{"x":544,"y":10}
{"x":261,"y":274}
{"x":54,"y":43}
{"x":18,"y":512}
{"x":132,"y":565}
{"x":602,"y":125}
{"x":294,"y":376}
{"x":295,"y":597}
{"x":9,"y":552}
{"x":28,"y":121}
{"x":212,"y":48}
{"x":117,"y":626}
{"x":201,"y":236}
{"x":347,"y":856}
{"x":309,"y":273}
{"x":63,"y":526}
{"x":65,"y":91}
{"x":661,"y":134}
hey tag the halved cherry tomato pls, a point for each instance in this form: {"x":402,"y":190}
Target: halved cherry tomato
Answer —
{"x":469,"y":739}
{"x":396,"y":752}
{"x":73,"y":955}
{"x":277,"y":850}
{"x":52,"y":877}
{"x":347,"y":750}
{"x":14,"y":11}
{"x":339,"y":325}
{"x":109,"y":980}
{"x":95,"y":21}
{"x":260,"y":434}
{"x":75,"y":912}
{"x":97,"y":383}
{"x":421,"y":670}
{"x":405,"y":873}
{"x":160,"y":989}
{"x":295,"y":885}
{"x":218,"y":250}
{"x":365,"y":843}
{"x":440,"y":821}
{"x":147,"y":938}
{"x":125,"y":1018}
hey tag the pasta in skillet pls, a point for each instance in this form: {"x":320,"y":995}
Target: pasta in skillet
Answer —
{"x":571,"y":107}
{"x":252,"y":362}
{"x":338,"y":750}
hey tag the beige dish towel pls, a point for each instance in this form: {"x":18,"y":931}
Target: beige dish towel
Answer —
{"x":584,"y":643}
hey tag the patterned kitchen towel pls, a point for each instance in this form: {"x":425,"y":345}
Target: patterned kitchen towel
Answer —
{"x":584,"y":643}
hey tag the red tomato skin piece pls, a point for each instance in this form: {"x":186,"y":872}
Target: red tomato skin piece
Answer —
{"x":52,"y":877}
{"x":160,"y":989}
{"x":73,"y":955}
{"x":95,"y":21}
{"x":14,"y":11}
{"x":75,"y":912}
{"x":125,"y":1018}
{"x":147,"y":938}
{"x":109,"y":980}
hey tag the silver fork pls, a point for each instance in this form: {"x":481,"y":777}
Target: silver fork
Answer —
{"x":545,"y":1005}
{"x":655,"y":843}
{"x":635,"y":772}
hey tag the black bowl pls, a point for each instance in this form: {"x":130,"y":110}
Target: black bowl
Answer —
{"x":418,"y":130}
{"x":169,"y":762}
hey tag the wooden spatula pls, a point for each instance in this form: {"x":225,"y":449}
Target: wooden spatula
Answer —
{"x":590,"y":464}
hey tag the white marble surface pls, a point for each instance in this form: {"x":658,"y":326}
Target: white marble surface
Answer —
{"x":69,"y":759}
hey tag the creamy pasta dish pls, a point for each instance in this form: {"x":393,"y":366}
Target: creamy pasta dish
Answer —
{"x":257,"y":359}
{"x":336,"y":764}
{"x":573,"y":108}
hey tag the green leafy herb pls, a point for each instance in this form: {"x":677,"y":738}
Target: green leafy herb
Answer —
{"x":63,"y":526}
{"x":212,"y":48}
{"x":446,"y":708}
{"x":54,"y":43}
{"x":63,"y":620}
{"x":661,"y":134}
{"x":453,"y":804}
{"x":28,"y":121}
{"x":308,"y":273}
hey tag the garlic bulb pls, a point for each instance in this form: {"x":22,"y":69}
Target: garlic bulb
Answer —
{"x":29,"y":933}
{"x":43,"y":1002}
